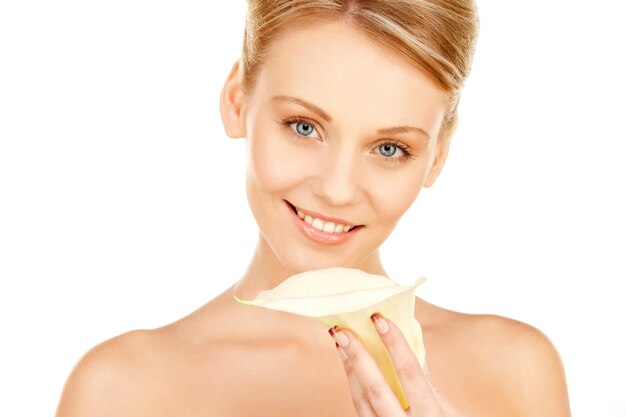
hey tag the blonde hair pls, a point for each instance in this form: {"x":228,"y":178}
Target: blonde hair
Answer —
{"x":438,"y":36}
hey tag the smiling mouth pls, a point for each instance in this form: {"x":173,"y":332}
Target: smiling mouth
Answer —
{"x":321,"y":223}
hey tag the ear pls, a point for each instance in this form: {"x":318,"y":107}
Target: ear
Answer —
{"x":231,"y":105}
{"x":443,"y":146}
{"x":440,"y":160}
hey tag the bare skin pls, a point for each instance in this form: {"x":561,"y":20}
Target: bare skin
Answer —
{"x":226,"y":359}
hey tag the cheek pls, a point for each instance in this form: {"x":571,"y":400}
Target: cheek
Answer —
{"x":274,"y":164}
{"x":392,"y":195}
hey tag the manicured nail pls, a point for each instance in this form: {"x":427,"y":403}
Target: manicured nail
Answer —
{"x":380,"y":323}
{"x":339,"y":336}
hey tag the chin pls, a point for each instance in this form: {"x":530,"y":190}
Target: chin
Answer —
{"x":297,"y":266}
{"x":302,"y":262}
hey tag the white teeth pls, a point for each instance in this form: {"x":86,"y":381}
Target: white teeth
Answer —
{"x":328,"y":227}
{"x":318,"y":224}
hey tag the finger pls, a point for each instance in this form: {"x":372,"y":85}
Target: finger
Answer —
{"x":418,"y":391}
{"x":361,"y":404}
{"x":363,"y":374}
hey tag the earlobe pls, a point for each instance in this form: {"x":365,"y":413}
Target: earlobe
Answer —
{"x":231,"y":105}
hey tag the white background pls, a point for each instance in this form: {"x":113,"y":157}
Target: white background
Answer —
{"x":122,"y":200}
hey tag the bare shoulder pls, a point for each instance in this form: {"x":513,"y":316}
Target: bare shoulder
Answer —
{"x":510,"y":357}
{"x":528,"y":363}
{"x":106,"y":380}
{"x":148,"y":372}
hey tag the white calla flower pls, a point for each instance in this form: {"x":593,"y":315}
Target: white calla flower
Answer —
{"x":347,"y":297}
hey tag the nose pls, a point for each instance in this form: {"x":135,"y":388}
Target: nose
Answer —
{"x":339,"y":177}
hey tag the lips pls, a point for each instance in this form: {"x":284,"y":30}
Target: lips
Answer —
{"x":319,"y":216}
{"x":314,"y":234}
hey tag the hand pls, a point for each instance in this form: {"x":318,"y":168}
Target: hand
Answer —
{"x":371,"y":394}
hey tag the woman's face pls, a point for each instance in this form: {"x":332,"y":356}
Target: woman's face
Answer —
{"x":315,"y":129}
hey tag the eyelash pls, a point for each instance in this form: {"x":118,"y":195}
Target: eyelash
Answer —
{"x":405,"y":149}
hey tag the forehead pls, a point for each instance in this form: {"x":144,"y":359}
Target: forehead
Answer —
{"x":344,"y":71}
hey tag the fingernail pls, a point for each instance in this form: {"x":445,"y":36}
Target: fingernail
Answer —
{"x":339,"y":336}
{"x":380,"y":323}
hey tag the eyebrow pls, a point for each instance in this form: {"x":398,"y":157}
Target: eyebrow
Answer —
{"x":326,"y":116}
{"x":306,"y":104}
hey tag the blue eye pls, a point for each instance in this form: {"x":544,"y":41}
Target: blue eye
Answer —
{"x":389,"y":149}
{"x":306,"y":128}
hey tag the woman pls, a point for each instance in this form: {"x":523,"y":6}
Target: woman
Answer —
{"x":347,"y":109}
